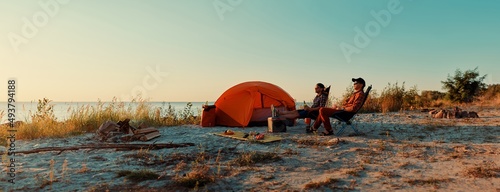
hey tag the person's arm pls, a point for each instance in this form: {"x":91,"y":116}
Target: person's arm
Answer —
{"x":322,"y":103}
{"x":358,"y":100}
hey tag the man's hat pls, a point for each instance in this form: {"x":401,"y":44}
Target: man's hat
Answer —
{"x":359,"y":80}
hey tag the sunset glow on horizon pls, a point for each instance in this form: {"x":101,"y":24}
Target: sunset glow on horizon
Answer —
{"x":186,"y":50}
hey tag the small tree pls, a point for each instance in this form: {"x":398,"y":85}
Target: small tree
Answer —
{"x":464,"y":87}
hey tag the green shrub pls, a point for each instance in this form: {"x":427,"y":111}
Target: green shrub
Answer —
{"x":464,"y":87}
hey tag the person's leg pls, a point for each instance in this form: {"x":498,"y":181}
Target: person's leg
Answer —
{"x":286,"y":112}
{"x":289,"y":114}
{"x":318,"y":121}
{"x":294,"y":112}
{"x":313,"y":114}
{"x":302,"y":113}
{"x":324,"y":114}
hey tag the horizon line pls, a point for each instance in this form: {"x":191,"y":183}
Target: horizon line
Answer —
{"x":112,"y":101}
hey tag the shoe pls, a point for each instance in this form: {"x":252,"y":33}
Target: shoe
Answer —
{"x":327,"y":133}
{"x":311,"y":130}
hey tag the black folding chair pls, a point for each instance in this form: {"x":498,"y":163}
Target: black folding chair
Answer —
{"x":314,"y":115}
{"x":345,"y":116}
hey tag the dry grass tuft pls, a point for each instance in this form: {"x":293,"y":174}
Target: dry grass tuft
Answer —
{"x":46,"y":182}
{"x":145,"y":157}
{"x":429,"y":181}
{"x":370,"y":153}
{"x":251,"y":158}
{"x":84,"y":168}
{"x":290,"y":152}
{"x":487,"y":170}
{"x":141,"y":154}
{"x":180,"y":166}
{"x":389,"y":174}
{"x":199,"y":176}
{"x":404,"y":164}
{"x":178,"y":157}
{"x":316,"y":141}
{"x":266,"y":177}
{"x":355,"y":171}
{"x":433,"y":126}
{"x":137,"y":176}
{"x":318,"y":184}
{"x":106,"y":187}
{"x":414,"y":145}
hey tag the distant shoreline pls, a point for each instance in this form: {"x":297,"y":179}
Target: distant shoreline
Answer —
{"x":114,"y":101}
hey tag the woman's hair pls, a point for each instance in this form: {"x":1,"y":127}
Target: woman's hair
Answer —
{"x":320,"y":85}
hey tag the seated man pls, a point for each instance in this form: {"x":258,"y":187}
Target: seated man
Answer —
{"x":318,"y":102}
{"x":353,"y":103}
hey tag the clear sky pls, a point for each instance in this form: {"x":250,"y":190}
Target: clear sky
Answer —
{"x":194,"y":50}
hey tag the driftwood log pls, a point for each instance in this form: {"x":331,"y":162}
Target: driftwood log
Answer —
{"x":452,"y":114}
{"x":106,"y":146}
{"x":145,"y":130}
{"x":109,"y":130}
{"x":149,"y":136}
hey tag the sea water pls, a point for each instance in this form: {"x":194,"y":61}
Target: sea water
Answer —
{"x":63,"y":110}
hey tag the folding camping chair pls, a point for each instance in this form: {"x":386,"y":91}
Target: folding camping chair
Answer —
{"x":345,"y":117}
{"x":327,"y":91}
{"x":314,"y":116}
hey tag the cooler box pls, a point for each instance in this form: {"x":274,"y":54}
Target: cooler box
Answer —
{"x":208,"y":116}
{"x":275,"y":124}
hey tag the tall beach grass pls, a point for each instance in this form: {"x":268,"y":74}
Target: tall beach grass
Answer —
{"x":86,"y":118}
{"x":395,"y":97}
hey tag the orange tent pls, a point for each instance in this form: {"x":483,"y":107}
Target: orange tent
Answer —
{"x":250,"y":102}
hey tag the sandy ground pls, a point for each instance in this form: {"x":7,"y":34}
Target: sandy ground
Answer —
{"x":406,"y":151}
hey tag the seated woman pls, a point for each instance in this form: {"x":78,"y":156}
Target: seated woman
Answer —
{"x":318,"y":102}
{"x":353,"y":103}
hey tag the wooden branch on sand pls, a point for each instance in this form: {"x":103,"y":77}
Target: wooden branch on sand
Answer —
{"x":150,"y":136}
{"x":107,"y":146}
{"x":145,"y":130}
